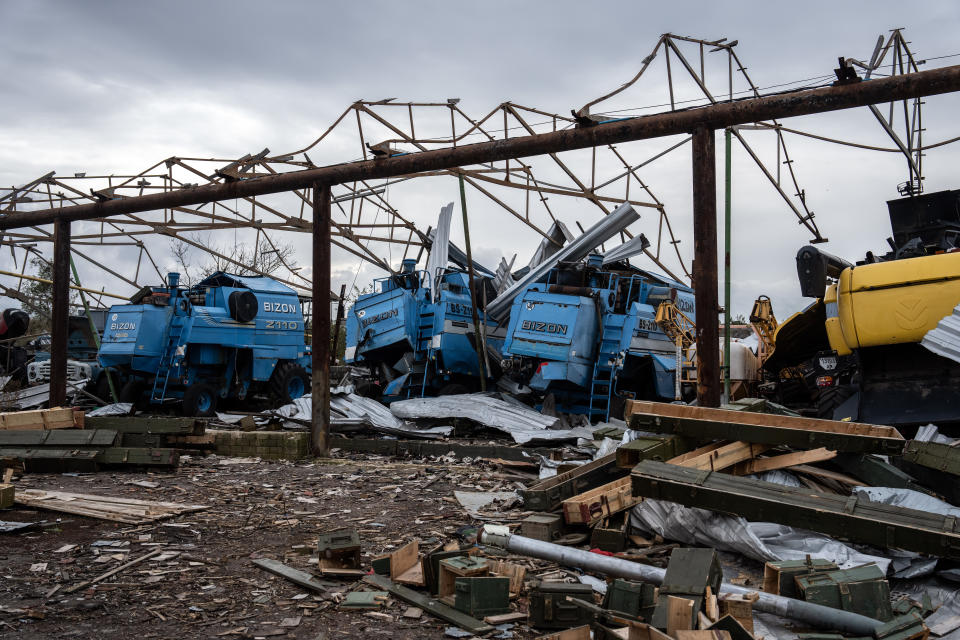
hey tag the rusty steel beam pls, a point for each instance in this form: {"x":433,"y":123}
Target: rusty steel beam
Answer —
{"x":704,"y":271}
{"x":59,"y":313}
{"x":320,"y":328}
{"x":716,"y":116}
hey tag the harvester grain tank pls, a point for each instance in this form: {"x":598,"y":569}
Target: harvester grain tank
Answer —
{"x":227,"y":337}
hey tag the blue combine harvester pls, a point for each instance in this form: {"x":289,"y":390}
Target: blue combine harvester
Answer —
{"x":587,"y":334}
{"x":228,"y":337}
{"x":416,"y":336}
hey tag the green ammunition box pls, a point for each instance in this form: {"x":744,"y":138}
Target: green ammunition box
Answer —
{"x":432,"y":567}
{"x":542,"y":526}
{"x":610,"y":534}
{"x":908,"y":627}
{"x":615,"y":433}
{"x":689,"y":573}
{"x":550,"y":609}
{"x":862,"y":590}
{"x":650,"y":448}
{"x":459,"y":567}
{"x":479,"y":597}
{"x":338,"y":550}
{"x":779,"y":577}
{"x":381,"y":565}
{"x":637,"y":599}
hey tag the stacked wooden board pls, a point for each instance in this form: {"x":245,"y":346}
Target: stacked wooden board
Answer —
{"x":49,"y":440}
{"x":127,"y":510}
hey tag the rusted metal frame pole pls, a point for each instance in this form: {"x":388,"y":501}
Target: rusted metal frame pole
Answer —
{"x":704,"y":278}
{"x":785,"y":105}
{"x":481,"y":342}
{"x":320,"y":329}
{"x":338,"y":325}
{"x":59,"y":313}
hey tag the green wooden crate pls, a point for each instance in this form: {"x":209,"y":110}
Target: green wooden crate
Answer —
{"x":550,"y":609}
{"x":637,"y":599}
{"x":689,"y":573}
{"x":862,"y":590}
{"x":483,"y":596}
{"x":780,"y":577}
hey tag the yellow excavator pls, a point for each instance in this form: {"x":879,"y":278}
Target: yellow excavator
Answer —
{"x":683,"y":331}
{"x":858,"y":348}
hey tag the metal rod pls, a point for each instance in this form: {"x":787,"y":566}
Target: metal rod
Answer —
{"x":815,"y":615}
{"x":726,"y":264}
{"x":94,"y":292}
{"x":704,"y":278}
{"x":60,"y":313}
{"x":320,"y":329}
{"x":784,"y":105}
{"x":473,"y":289}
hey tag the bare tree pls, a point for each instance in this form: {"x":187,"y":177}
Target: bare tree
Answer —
{"x":264,"y":257}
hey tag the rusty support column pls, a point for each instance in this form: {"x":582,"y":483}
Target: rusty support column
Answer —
{"x":704,"y":278}
{"x":320,"y":376}
{"x":60,"y":313}
{"x":338,"y":325}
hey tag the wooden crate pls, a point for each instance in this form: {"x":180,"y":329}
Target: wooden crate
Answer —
{"x":6,"y":496}
{"x":58,"y":418}
{"x":602,"y":502}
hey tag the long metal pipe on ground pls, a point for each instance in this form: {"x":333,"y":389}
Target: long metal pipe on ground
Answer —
{"x":813,"y":614}
{"x":716,"y":116}
{"x":577,"y":250}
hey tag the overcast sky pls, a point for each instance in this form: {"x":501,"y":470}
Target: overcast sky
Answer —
{"x":114,"y":86}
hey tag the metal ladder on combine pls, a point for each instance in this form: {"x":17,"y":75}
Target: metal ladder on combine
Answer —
{"x":419,"y":369}
{"x":170,"y":359}
{"x":604,"y":378}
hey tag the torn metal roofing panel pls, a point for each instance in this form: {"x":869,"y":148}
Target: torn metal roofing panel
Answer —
{"x":440,"y":249}
{"x":522,"y":423}
{"x":944,"y":339}
{"x":350,"y":409}
{"x":617,"y":221}
{"x":558,"y":235}
{"x":632,"y":247}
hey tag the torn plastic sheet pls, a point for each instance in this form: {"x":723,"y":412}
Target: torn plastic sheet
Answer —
{"x":116,"y":409}
{"x":522,"y":423}
{"x":475,"y":501}
{"x":931,"y":433}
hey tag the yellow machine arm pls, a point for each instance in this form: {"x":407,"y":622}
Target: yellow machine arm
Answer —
{"x":765,"y":324}
{"x":676,"y":325}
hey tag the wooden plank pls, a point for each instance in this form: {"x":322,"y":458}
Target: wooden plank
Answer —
{"x":430,"y":605}
{"x":404,"y":558}
{"x":759,"y":465}
{"x":126,"y":510}
{"x":577,"y":633}
{"x":880,"y":525}
{"x":826,"y":474}
{"x":56,"y":418}
{"x":721,"y":457}
{"x":696,"y":453}
{"x":806,"y":433}
{"x":6,"y":496}
{"x":705,"y":634}
{"x":297,"y":577}
{"x":515,"y":572}
{"x":645,"y":407}
{"x":604,"y":501}
{"x":679,"y":615}
{"x":549,"y":494}
{"x":104,"y":576}
{"x":421,"y":448}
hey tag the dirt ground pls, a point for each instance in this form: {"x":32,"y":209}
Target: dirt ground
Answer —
{"x":204,"y":584}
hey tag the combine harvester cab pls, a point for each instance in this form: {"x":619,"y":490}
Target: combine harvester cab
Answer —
{"x":588,"y":335}
{"x":229,"y":336}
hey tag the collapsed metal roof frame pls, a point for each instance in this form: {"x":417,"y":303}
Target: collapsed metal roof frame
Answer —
{"x":701,"y":122}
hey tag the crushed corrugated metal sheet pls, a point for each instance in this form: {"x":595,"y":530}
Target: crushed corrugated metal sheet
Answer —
{"x":116,"y":409}
{"x":440,"y":250}
{"x":352,"y":409}
{"x":632,"y":247}
{"x":523,"y":424}
{"x":944,"y":339}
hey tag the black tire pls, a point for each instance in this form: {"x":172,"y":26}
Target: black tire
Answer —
{"x":131,"y":391}
{"x":830,"y":398}
{"x":454,"y":389}
{"x":289,"y":382}
{"x":101,"y":389}
{"x":200,"y":399}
